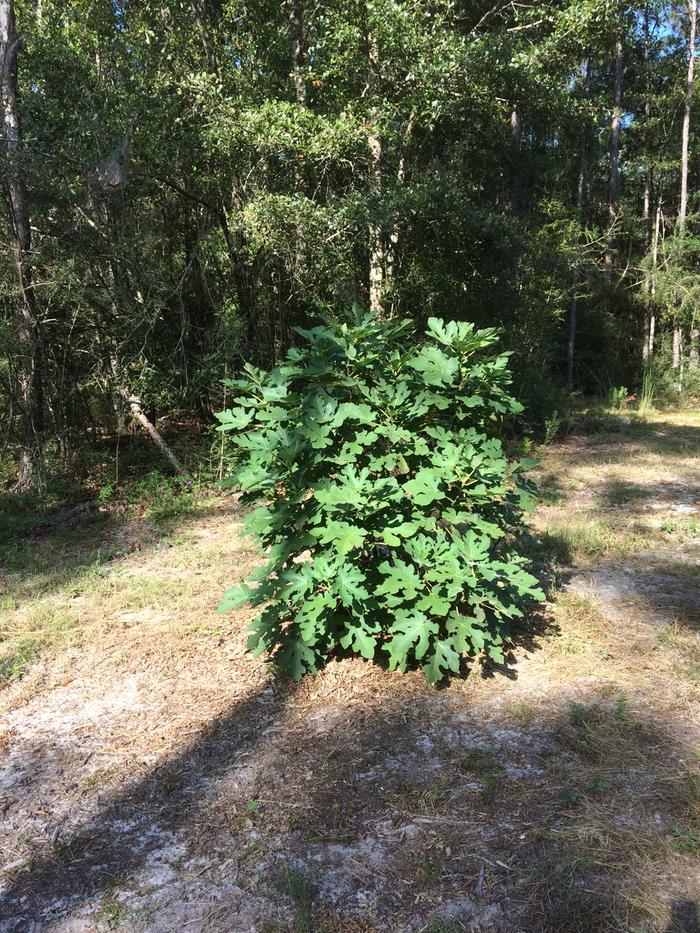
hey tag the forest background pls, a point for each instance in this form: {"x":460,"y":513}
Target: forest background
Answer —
{"x":185,"y":181}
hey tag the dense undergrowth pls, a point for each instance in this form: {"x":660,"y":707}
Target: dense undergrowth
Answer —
{"x":127,"y":474}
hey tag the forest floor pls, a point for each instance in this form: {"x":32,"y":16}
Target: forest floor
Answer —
{"x":154,"y":777}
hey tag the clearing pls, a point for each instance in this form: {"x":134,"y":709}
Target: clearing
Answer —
{"x":155,"y":777}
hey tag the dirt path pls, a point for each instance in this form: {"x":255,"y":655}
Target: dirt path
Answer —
{"x":153,"y":777}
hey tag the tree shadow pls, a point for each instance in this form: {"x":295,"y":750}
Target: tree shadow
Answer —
{"x":685,"y":917}
{"x":130,"y":824}
{"x":641,"y":498}
{"x":44,"y":564}
{"x":662,"y":593}
{"x":525,"y":635}
{"x":667,"y":436}
{"x":396,"y":806}
{"x":501,"y":824}
{"x":658,"y":438}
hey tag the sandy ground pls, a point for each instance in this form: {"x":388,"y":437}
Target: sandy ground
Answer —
{"x":155,"y":777}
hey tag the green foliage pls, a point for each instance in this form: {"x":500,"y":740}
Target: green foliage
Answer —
{"x":617,"y":396}
{"x":686,"y":840}
{"x":384,"y":497}
{"x":162,"y":496}
{"x":648,"y":392}
{"x":659,"y":384}
{"x":250,"y":189}
{"x":296,"y":886}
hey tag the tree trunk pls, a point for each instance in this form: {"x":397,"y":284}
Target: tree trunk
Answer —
{"x":297,"y":44}
{"x":573,"y":306}
{"x":646,"y":321}
{"x":239,"y":266}
{"x":692,"y":24}
{"x":676,"y":347}
{"x":296,"y":35}
{"x":694,"y":351}
{"x":614,"y":191}
{"x":650,"y":285}
{"x":376,"y":244}
{"x":516,"y":136}
{"x":235,"y":240}
{"x":196,"y":308}
{"x":28,"y":330}
{"x":647,"y":216}
{"x":376,"y":234}
{"x":200,"y":15}
{"x":685,"y":145}
{"x":393,"y":241}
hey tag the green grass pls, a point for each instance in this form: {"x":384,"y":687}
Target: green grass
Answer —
{"x":444,"y":925}
{"x":524,"y":713}
{"x":16,"y":664}
{"x":681,"y":528}
{"x":124,"y":480}
{"x":577,"y":537}
{"x":431,"y":869}
{"x":111,"y":910}
{"x":296,"y":886}
{"x":686,"y":840}
{"x":57,"y":573}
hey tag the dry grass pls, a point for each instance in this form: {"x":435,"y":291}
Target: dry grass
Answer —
{"x":621,"y":493}
{"x":136,"y":583}
{"x":162,"y":780}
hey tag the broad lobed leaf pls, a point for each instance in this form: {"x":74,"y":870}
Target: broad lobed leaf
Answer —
{"x":383,"y":496}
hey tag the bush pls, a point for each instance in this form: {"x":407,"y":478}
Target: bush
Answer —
{"x":385,"y":499}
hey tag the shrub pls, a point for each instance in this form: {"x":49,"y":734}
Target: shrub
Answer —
{"x":385,"y":500}
{"x":617,"y":396}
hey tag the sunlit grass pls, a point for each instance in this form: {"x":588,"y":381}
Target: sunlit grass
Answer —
{"x":62,"y":586}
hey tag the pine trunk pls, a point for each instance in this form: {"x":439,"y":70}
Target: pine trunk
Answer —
{"x":694,"y":351}
{"x":573,"y":305}
{"x":685,"y":145}
{"x":677,"y":338}
{"x":575,"y":275}
{"x":647,"y":215}
{"x":614,"y":190}
{"x":297,"y":44}
{"x":516,"y":136}
{"x":692,"y":24}
{"x":650,"y":286}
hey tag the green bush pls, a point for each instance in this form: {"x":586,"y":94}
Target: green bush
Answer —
{"x":385,"y":500}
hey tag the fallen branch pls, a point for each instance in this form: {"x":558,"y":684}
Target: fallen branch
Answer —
{"x":136,"y":409}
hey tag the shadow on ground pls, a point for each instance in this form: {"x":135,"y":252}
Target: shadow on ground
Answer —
{"x":392,"y":807}
{"x":645,"y":438}
{"x":662,"y":594}
{"x":131,"y":822}
{"x":364,"y":800}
